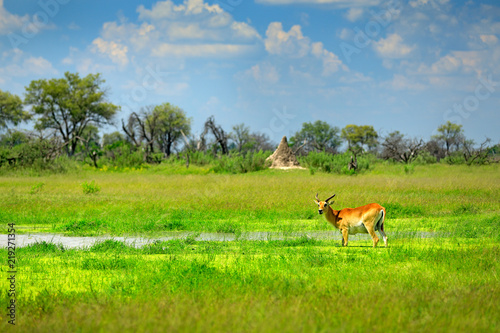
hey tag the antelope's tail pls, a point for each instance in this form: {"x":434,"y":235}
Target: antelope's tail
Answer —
{"x":380,"y":222}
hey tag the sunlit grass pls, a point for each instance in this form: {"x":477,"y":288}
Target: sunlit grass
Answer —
{"x":415,"y":284}
{"x":439,"y":273}
{"x":156,"y":200}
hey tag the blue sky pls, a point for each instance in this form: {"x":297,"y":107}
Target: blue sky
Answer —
{"x":272,"y":64}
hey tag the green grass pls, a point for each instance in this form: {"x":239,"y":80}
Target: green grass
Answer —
{"x":301,"y":285}
{"x":157,"y":200}
{"x":447,"y":281}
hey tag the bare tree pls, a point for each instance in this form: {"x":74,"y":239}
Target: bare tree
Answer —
{"x":143,"y":127}
{"x":220,"y":135}
{"x":130,"y":129}
{"x":261,"y":141}
{"x":400,"y":149}
{"x":476,"y":155}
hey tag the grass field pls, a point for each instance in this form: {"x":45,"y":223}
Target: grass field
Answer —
{"x":446,"y":282}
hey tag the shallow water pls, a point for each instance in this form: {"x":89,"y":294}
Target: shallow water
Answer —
{"x":138,"y":242}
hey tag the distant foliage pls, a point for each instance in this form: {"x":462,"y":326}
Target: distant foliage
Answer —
{"x":37,"y":188}
{"x":335,"y":163}
{"x":239,"y":163}
{"x":90,"y":188}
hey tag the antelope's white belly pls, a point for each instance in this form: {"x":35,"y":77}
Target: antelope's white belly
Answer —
{"x":358,"y":229}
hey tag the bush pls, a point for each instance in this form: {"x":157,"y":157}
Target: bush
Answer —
{"x":242,"y":163}
{"x":335,"y":163}
{"x":90,"y":188}
{"x":123,"y":155}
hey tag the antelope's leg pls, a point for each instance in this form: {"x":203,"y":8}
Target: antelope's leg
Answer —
{"x":374,"y":236}
{"x":345,"y":235}
{"x":382,"y":233}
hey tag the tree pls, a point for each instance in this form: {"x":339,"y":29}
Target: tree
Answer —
{"x":480,"y":155}
{"x":450,"y":135}
{"x":220,"y":135}
{"x":143,"y":127}
{"x":70,"y":104}
{"x":317,"y":136}
{"x":173,"y":122}
{"x":260,"y":141}
{"x":11,"y":110}
{"x":358,"y":137}
{"x":109,"y":139}
{"x":435,"y":149}
{"x":241,"y":136}
{"x":401,"y":149}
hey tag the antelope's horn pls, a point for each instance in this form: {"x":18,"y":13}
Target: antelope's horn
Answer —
{"x":317,"y":199}
{"x":329,"y":198}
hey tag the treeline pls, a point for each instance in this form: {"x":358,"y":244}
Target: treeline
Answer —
{"x":68,"y":113}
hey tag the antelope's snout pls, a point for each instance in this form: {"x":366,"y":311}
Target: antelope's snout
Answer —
{"x":320,"y":211}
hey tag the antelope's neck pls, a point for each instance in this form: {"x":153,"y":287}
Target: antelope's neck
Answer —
{"x":331,"y":216}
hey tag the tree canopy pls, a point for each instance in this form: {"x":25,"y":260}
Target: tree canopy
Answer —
{"x":451,"y":135}
{"x":319,"y":136}
{"x":11,"y":110}
{"x":358,"y":137}
{"x":172,"y":123}
{"x":70,"y":104}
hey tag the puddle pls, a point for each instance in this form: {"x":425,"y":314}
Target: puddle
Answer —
{"x":138,"y":242}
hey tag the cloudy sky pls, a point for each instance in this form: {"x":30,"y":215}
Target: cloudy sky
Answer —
{"x":272,"y":64}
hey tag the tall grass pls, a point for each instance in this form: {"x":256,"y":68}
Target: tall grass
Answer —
{"x":337,"y":163}
{"x":287,"y":286}
{"x":440,"y":272}
{"x":152,"y":200}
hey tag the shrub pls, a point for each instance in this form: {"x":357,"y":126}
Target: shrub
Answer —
{"x":337,"y":163}
{"x":242,"y":163}
{"x":90,"y":188}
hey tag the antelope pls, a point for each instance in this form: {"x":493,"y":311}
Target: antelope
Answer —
{"x":350,"y":221}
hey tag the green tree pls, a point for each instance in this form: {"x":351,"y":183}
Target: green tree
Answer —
{"x":11,"y":110}
{"x":319,"y":136}
{"x":241,"y":136}
{"x":172,"y":123}
{"x":70,"y":104}
{"x":450,"y":135}
{"x":109,"y":139}
{"x":358,"y":137}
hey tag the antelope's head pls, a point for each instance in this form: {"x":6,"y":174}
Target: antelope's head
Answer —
{"x":322,"y":205}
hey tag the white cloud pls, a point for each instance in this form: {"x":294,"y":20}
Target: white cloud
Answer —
{"x":264,"y":73}
{"x":354,"y":14}
{"x":433,"y":3}
{"x":190,"y":29}
{"x":38,"y":66}
{"x":168,"y":10}
{"x":295,"y":45}
{"x":115,"y":51}
{"x":200,"y":50}
{"x":346,"y":34}
{"x":462,"y":62}
{"x":331,"y":63}
{"x":336,"y":3}
{"x":10,"y":22}
{"x":400,"y":82}
{"x":392,"y":47}
{"x":489,"y":39}
{"x":292,"y":43}
{"x":19,"y":66}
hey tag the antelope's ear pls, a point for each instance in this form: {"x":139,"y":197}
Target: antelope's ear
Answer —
{"x":316,"y":202}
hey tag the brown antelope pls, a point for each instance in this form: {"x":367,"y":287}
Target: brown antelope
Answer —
{"x":350,"y":221}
